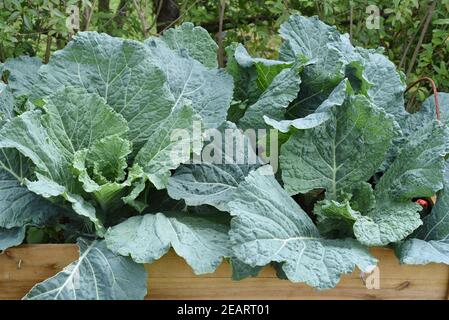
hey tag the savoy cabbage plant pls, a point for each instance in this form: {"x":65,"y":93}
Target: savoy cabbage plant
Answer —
{"x":86,"y":147}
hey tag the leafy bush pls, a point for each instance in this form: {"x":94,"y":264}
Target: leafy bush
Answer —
{"x":87,"y":151}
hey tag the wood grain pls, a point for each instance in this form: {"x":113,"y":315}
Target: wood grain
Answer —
{"x":171,"y":278}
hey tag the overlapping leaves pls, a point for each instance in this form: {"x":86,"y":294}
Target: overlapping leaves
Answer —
{"x":94,"y":128}
{"x":92,"y":137}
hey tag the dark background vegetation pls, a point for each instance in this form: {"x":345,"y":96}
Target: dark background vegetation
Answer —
{"x":414,"y":33}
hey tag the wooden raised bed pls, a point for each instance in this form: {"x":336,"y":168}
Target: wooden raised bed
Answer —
{"x":171,"y":278}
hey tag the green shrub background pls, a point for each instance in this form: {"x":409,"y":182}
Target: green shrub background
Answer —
{"x":38,"y":27}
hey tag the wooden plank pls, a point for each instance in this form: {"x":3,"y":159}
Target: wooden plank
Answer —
{"x":21,"y":267}
{"x":171,"y":278}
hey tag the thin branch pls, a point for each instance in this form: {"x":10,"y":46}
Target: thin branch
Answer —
{"x":48,"y":49}
{"x":38,"y":42}
{"x":434,"y":90}
{"x":120,"y":13}
{"x":351,"y":19}
{"x":421,"y":37}
{"x":88,"y":13}
{"x":158,"y":12}
{"x":142,"y":16}
{"x":220,"y":34}
{"x":410,"y":42}
{"x":318,"y":11}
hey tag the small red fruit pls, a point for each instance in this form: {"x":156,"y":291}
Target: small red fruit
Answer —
{"x":423,"y":203}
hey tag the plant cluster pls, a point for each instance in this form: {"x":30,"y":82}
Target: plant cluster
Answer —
{"x":87,"y":150}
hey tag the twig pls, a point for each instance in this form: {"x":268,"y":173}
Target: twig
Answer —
{"x":158,"y":12}
{"x":220,"y":34}
{"x":434,"y":89}
{"x":421,"y":37}
{"x":318,"y":11}
{"x":142,"y":17}
{"x":409,"y":44}
{"x":120,"y":14}
{"x":351,"y":18}
{"x":48,"y":49}
{"x":38,"y":42}
{"x":89,"y":12}
{"x":119,"y":11}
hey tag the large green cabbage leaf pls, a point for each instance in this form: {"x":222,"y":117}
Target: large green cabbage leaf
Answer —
{"x":195,"y":40}
{"x":202,"y":240}
{"x":98,"y":274}
{"x":335,"y":58}
{"x":19,"y":207}
{"x":269,"y":226}
{"x":214,"y":182}
{"x":210,"y":90}
{"x":347,"y":148}
{"x":72,"y":120}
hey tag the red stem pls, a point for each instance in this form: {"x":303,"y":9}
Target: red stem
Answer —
{"x":434,"y":89}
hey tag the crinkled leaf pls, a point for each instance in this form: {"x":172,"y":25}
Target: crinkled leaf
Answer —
{"x":167,"y":148}
{"x":430,"y":243}
{"x":274,"y":100}
{"x":387,"y":222}
{"x":98,"y":274}
{"x":213,"y":183}
{"x":252,"y":76}
{"x":418,"y":169}
{"x":335,"y":219}
{"x":362,"y":197}
{"x":387,"y":85}
{"x":416,"y":172}
{"x":417,"y":251}
{"x":369,"y":71}
{"x":107,"y":193}
{"x":321,"y":115}
{"x":346,"y":149}
{"x":196,"y":40}
{"x":201,"y":240}
{"x":319,"y":78}
{"x":11,"y":237}
{"x":108,"y":158}
{"x":6,"y":103}
{"x":19,"y":206}
{"x":27,"y":134}
{"x":311,"y":38}
{"x":206,"y":184}
{"x":120,"y":71}
{"x":210,"y":90}
{"x":73,"y":120}
{"x":269,"y":226}
{"x":23,"y":74}
{"x":428,"y":107}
